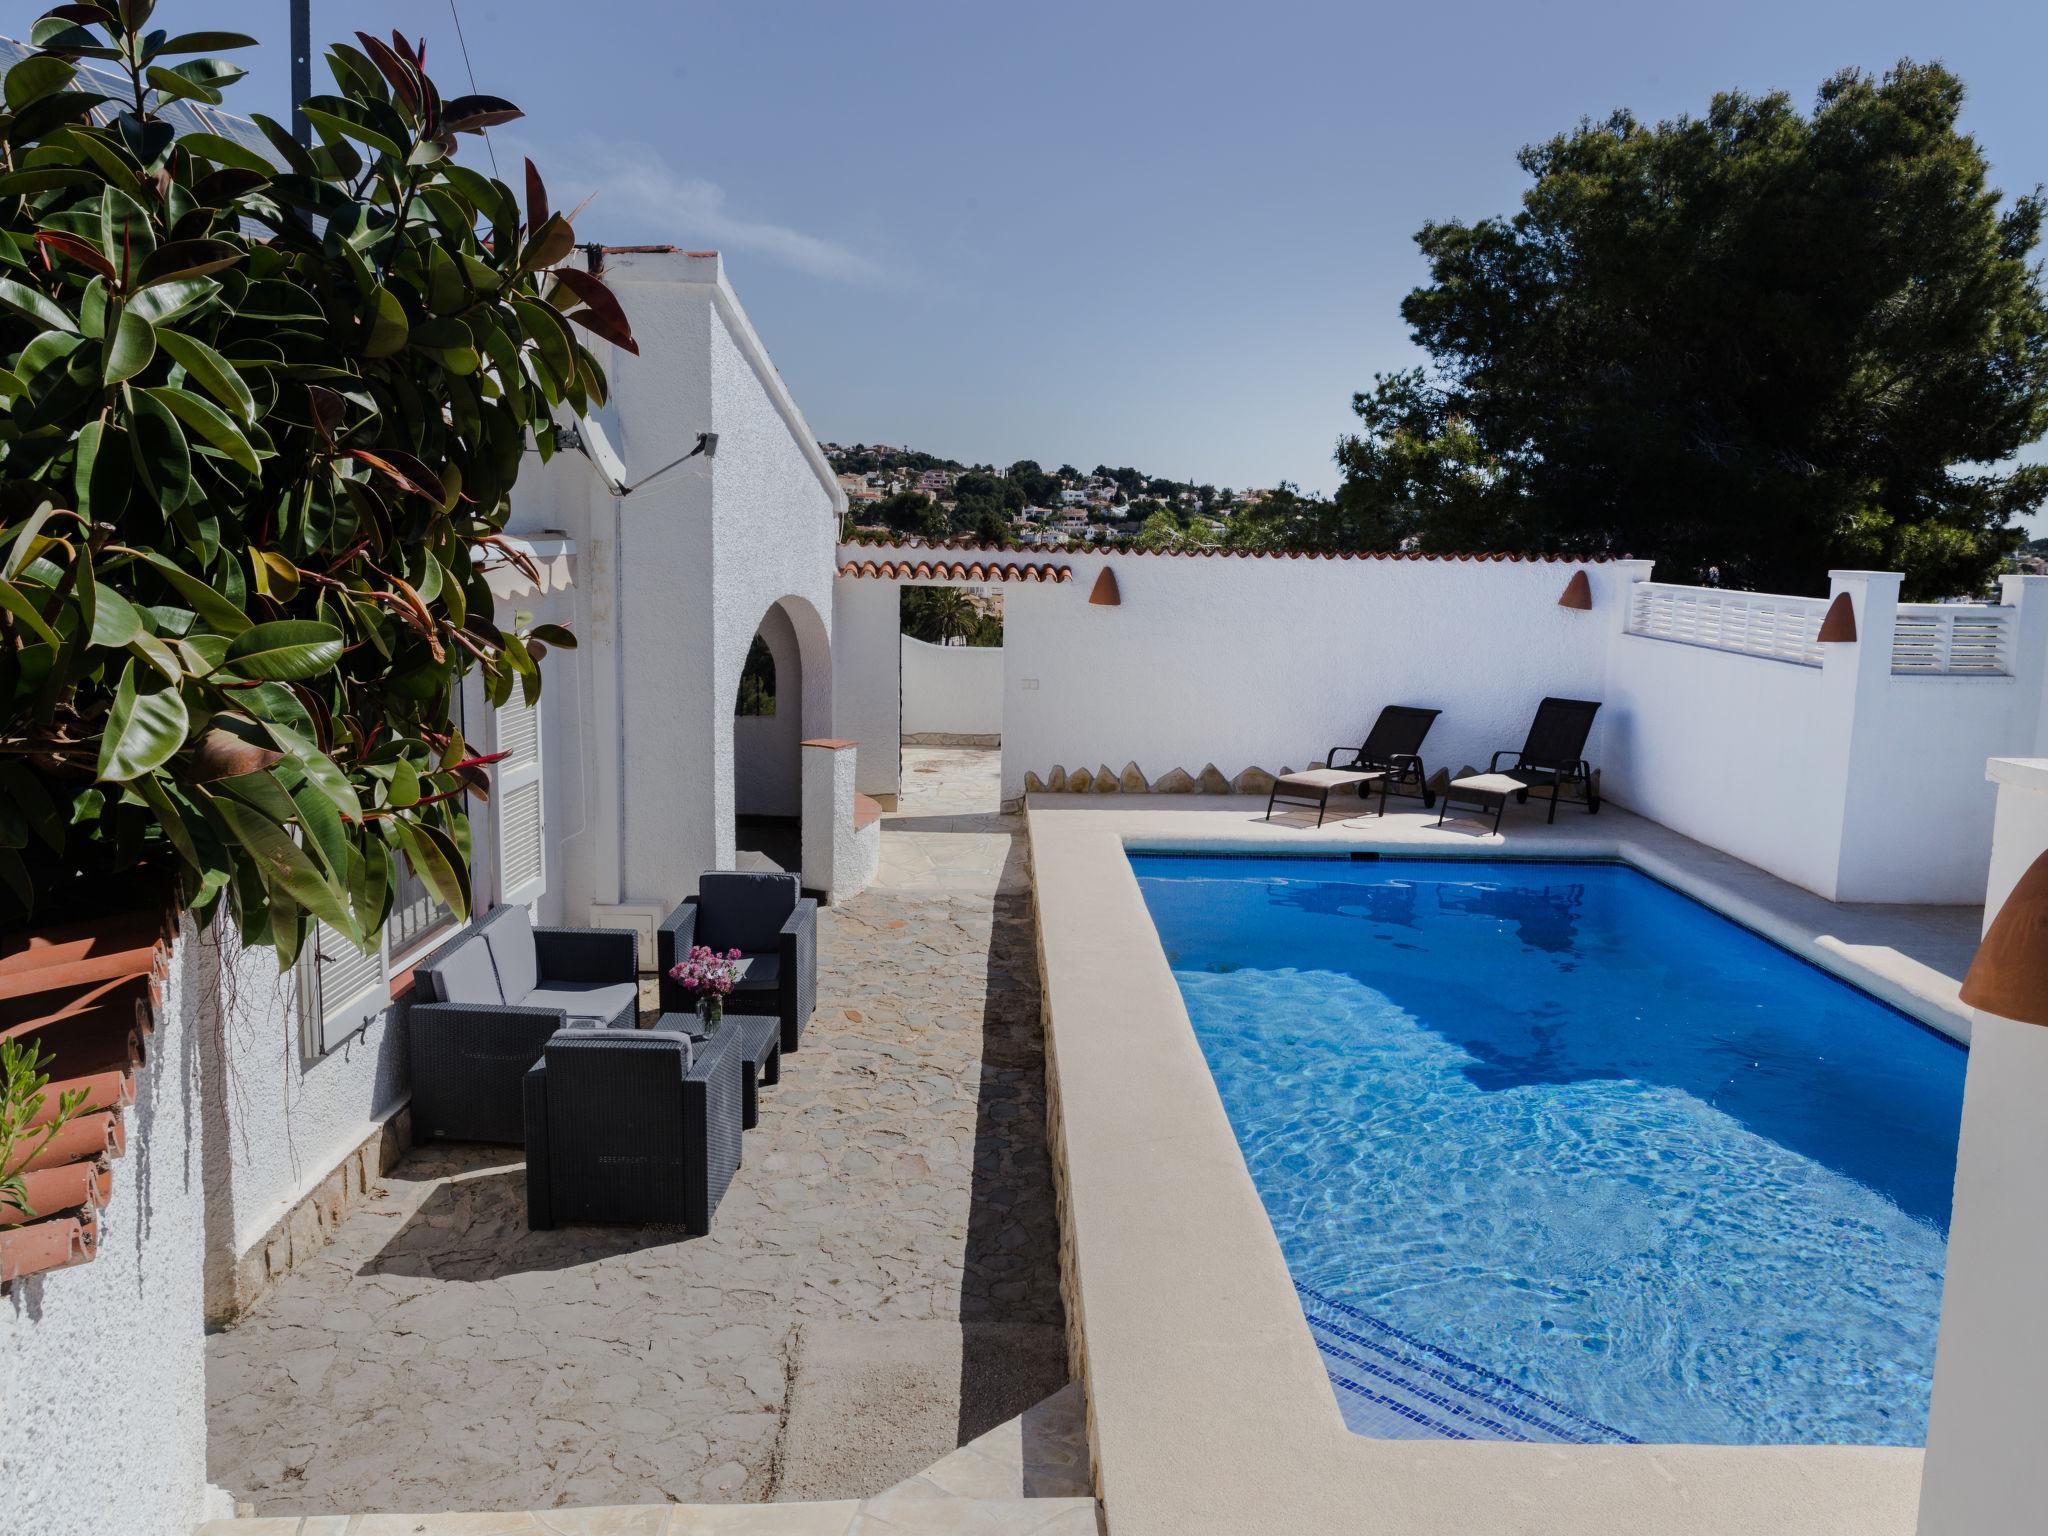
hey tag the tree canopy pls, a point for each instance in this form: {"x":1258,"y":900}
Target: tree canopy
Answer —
{"x":1765,"y":341}
{"x":263,"y":415}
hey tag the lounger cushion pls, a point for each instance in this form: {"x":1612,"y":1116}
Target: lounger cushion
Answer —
{"x":588,"y":1004}
{"x":763,"y":974}
{"x":463,"y":973}
{"x":744,"y":910}
{"x":510,"y":935}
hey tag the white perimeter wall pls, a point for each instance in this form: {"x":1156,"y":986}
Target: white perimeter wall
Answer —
{"x":103,"y":1366}
{"x":1842,"y":778}
{"x":1269,"y":662}
{"x":954,"y":690}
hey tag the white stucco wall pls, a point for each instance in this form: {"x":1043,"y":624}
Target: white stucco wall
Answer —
{"x":954,"y":690}
{"x":1736,"y":751}
{"x":1270,"y":662}
{"x":867,"y":679}
{"x":767,"y":773}
{"x":102,"y":1366}
{"x":276,"y":1119}
{"x":687,"y":569}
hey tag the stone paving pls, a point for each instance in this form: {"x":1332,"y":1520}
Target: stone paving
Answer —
{"x":880,"y":1287}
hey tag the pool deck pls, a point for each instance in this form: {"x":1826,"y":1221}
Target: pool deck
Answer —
{"x":1209,"y":1407}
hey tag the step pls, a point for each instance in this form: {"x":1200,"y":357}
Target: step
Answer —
{"x":920,"y":1516}
{"x":1393,"y":1386}
{"x":1040,"y":1454}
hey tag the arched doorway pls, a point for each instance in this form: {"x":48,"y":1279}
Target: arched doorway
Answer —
{"x":782,"y":698}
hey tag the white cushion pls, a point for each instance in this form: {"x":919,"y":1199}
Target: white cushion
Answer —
{"x":1490,"y":784}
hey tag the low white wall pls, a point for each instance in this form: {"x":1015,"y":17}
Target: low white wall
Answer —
{"x":1270,"y":662}
{"x":276,"y":1119}
{"x":103,"y":1366}
{"x":952,"y":690}
{"x":1729,"y":750}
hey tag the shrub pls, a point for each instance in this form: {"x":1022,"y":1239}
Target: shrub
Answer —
{"x":263,"y":413}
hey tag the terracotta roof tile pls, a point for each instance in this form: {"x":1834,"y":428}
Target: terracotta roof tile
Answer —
{"x":957,"y":570}
{"x":1493,"y":556}
{"x":87,"y":993}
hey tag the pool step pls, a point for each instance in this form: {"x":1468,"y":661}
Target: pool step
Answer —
{"x":1393,"y":1386}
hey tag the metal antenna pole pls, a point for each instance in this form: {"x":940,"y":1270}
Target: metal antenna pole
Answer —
{"x":302,"y":67}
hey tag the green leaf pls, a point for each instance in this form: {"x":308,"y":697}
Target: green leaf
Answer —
{"x":36,"y":77}
{"x":44,"y":311}
{"x":320,"y":770}
{"x":211,"y":423}
{"x":439,"y":864}
{"x":16,"y":602}
{"x":165,"y":300}
{"x":287,"y":870}
{"x":25,"y":791}
{"x":134,"y":344}
{"x":284,"y":650}
{"x":198,"y":79}
{"x":218,"y":612}
{"x":115,"y":622}
{"x":405,"y":784}
{"x":143,"y":730}
{"x":210,"y":371}
{"x":225,"y":151}
{"x":347,"y":119}
{"x":384,"y":323}
{"x":204,"y":42}
{"x":170,"y":818}
{"x":321,"y":823}
{"x":157,"y":444}
{"x":127,"y":233}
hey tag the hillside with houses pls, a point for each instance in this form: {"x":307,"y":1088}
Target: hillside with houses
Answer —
{"x":901,"y":492}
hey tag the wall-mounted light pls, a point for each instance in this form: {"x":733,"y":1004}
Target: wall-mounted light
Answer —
{"x":1578,"y":592}
{"x":2009,"y":977}
{"x":1105,"y":594}
{"x":1839,"y":626}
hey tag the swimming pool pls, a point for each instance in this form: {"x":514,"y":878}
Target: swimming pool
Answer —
{"x":1555,"y":1153}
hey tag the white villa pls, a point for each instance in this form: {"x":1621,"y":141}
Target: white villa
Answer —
{"x":1855,"y":792}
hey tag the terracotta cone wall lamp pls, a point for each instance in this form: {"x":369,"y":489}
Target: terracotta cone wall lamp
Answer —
{"x":2009,"y":977}
{"x":1578,"y":592}
{"x":1105,"y":594}
{"x":1839,"y":626}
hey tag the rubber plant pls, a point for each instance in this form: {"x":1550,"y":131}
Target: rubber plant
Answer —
{"x":263,"y":412}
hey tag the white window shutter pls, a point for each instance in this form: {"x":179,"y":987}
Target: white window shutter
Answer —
{"x":348,"y":987}
{"x":517,"y":802}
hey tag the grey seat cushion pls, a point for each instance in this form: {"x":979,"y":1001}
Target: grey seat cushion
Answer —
{"x":510,"y":935}
{"x":587,"y":1003}
{"x":463,"y":973}
{"x":744,"y":910}
{"x":764,"y":972}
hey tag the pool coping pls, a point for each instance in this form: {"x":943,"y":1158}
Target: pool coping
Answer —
{"x":1209,"y":1406}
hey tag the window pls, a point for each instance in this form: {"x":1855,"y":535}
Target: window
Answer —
{"x":757,"y":681}
{"x":517,"y":804}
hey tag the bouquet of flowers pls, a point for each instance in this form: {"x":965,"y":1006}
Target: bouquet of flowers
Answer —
{"x":709,"y":978}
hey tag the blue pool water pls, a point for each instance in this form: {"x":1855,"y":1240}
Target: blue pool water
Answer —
{"x":1556,"y":1153}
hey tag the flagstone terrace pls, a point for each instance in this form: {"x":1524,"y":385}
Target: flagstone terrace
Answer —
{"x":881,"y":1285}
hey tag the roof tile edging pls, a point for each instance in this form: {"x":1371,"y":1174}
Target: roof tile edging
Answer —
{"x":88,"y":992}
{"x":1505,"y":557}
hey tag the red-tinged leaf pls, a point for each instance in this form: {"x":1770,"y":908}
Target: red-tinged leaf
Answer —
{"x":84,"y":252}
{"x":553,"y":240}
{"x":392,"y":68}
{"x":224,"y":754}
{"x":473,"y":114}
{"x":185,"y":258}
{"x":326,"y":409}
{"x":405,"y":471}
{"x":515,"y":555}
{"x":536,"y":199}
{"x":602,"y":315}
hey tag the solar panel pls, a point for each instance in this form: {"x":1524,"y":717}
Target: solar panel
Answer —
{"x":185,"y":115}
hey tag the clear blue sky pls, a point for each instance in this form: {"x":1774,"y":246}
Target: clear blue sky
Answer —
{"x":1173,"y":235}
